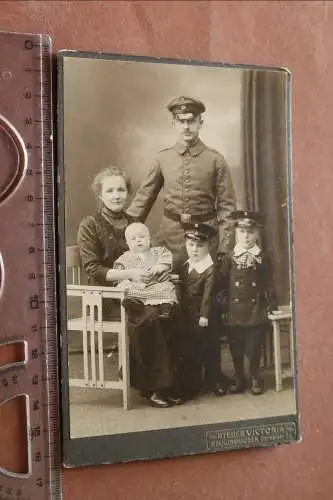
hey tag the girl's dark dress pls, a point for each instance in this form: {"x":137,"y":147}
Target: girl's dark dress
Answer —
{"x":101,"y":240}
{"x":248,"y":294}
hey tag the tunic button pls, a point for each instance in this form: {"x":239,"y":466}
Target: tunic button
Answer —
{"x":236,"y":283}
{"x":254,"y":283}
{"x":236,"y":300}
{"x":253,"y":300}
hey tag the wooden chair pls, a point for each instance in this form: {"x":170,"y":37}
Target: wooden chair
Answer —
{"x":73,"y":265}
{"x":90,"y":322}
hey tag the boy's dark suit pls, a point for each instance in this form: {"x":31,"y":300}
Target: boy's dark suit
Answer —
{"x":198,"y":347}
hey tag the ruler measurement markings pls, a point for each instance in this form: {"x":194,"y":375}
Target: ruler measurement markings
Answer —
{"x":39,"y":418}
{"x":42,"y":391}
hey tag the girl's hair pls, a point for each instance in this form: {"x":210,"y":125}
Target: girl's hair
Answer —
{"x":111,"y":171}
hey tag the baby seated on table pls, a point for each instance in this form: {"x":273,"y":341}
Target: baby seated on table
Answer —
{"x":155,"y":288}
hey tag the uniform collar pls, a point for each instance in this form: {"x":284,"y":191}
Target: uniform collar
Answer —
{"x":200,"y":266}
{"x":194,"y":150}
{"x":239,"y":250}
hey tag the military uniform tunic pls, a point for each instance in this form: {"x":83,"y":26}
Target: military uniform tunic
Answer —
{"x":196,"y":182}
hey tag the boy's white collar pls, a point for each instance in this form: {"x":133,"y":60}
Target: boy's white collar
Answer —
{"x":201,"y":265}
{"x":239,"y":250}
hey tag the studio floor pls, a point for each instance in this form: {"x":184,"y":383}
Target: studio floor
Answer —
{"x":96,"y":412}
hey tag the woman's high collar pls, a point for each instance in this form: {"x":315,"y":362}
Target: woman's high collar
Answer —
{"x":110,"y":216}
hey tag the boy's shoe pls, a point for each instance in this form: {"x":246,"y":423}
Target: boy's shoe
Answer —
{"x":219,"y":389}
{"x":237,"y":385}
{"x":256,"y":386}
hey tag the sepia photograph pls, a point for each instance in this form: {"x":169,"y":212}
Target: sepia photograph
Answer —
{"x":175,"y":258}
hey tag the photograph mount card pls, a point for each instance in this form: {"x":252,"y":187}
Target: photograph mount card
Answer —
{"x":177,"y":300}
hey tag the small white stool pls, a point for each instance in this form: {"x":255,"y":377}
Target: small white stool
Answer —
{"x":282,"y":314}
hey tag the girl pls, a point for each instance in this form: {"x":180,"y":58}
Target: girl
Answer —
{"x":249,"y":295}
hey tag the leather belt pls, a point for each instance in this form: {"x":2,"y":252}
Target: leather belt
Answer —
{"x":186,"y":218}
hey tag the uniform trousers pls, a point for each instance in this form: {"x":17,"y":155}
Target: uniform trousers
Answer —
{"x":246,"y":341}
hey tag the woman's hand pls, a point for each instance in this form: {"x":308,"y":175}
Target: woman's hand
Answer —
{"x":158,"y":269}
{"x":147,"y":276}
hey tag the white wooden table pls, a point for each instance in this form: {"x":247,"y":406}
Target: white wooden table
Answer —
{"x":92,"y":326}
{"x":284,"y":313}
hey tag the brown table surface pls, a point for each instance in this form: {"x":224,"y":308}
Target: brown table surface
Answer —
{"x":299,"y":36}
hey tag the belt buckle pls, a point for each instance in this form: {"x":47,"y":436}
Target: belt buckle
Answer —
{"x":185,"y":218}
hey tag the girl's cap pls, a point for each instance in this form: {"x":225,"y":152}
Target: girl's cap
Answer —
{"x":246,"y":218}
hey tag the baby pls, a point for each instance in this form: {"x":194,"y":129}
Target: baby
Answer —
{"x":156,"y":289}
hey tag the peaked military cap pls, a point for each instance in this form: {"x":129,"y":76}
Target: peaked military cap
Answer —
{"x":186,"y":105}
{"x":246,"y":218}
{"x":199,"y":232}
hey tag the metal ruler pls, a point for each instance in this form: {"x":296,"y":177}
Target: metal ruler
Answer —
{"x":27,"y":264}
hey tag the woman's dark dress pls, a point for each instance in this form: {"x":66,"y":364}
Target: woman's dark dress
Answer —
{"x":101,"y":241}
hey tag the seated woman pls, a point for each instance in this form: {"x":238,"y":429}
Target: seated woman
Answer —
{"x":101,"y":240}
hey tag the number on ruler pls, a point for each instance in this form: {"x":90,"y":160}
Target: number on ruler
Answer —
{"x":34,"y":354}
{"x":34,"y":302}
{"x":28,"y":44}
{"x":36,"y":405}
{"x":35,"y":432}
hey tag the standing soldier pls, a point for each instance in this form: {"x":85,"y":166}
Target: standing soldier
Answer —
{"x":196,"y":181}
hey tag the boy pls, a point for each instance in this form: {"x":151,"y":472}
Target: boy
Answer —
{"x":198,"y":341}
{"x":156,"y":289}
{"x":249,"y":295}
